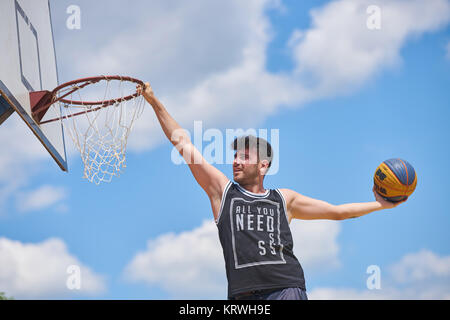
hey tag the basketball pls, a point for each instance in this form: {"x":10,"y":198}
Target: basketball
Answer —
{"x":395,"y":180}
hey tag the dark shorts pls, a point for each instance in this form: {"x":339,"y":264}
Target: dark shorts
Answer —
{"x":277,"y":294}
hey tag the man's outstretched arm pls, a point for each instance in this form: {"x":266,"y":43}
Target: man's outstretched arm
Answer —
{"x":306,"y":208}
{"x":211,"y":180}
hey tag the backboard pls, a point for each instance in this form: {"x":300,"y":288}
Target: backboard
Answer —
{"x":27,"y":64}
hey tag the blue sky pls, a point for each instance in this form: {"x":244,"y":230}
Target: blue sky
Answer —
{"x":343,"y":99}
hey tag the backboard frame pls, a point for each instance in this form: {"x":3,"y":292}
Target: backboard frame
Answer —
{"x":7,"y":95}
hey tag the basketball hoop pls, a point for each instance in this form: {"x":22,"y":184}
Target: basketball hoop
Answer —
{"x":98,"y":127}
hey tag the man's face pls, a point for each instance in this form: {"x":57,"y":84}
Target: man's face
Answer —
{"x":246,"y":166}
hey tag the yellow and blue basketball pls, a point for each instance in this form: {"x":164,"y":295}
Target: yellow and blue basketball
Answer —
{"x":395,"y":180}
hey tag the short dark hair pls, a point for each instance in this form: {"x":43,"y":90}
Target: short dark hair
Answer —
{"x":263,"y":148}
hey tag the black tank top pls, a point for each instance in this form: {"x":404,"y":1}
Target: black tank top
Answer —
{"x":256,"y":241}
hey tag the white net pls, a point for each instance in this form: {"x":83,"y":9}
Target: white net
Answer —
{"x":100,"y":132}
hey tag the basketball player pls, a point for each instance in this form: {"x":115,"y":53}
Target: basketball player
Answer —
{"x":253,"y":222}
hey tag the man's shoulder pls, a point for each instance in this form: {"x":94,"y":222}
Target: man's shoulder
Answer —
{"x":288,"y":194}
{"x":286,"y":191}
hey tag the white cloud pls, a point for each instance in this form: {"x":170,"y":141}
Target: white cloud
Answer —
{"x":207,"y":62}
{"x":191,"y":264}
{"x":421,"y":267}
{"x":420,"y":275}
{"x":342,"y":294}
{"x":207,"y":59}
{"x":315,"y":244}
{"x":336,"y":55}
{"x":339,"y":53}
{"x":22,"y":146}
{"x":176,"y":46}
{"x":39,"y":270}
{"x":44,"y":197}
{"x":24,"y":157}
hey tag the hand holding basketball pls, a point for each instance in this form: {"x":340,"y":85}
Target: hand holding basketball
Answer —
{"x":394,"y":181}
{"x":384,"y":203}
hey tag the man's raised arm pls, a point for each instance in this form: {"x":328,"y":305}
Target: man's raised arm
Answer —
{"x":208,"y":177}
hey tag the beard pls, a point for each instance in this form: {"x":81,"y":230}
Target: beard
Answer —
{"x":247,"y":176}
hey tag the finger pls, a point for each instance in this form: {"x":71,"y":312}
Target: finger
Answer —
{"x":400,"y":202}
